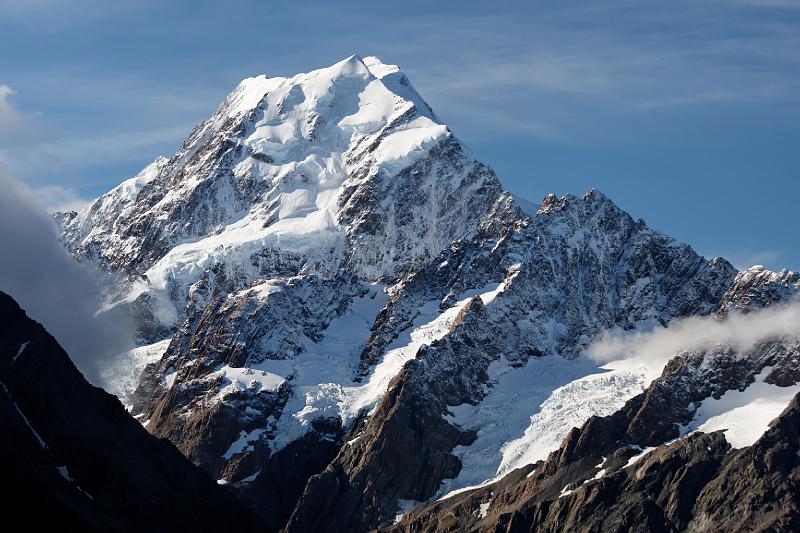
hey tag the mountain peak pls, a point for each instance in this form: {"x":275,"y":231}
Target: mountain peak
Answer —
{"x":378,"y":68}
{"x":592,"y":196}
{"x":595,"y":195}
{"x":548,"y":202}
{"x":350,"y":65}
{"x":250,"y":91}
{"x":351,"y":297}
{"x":311,"y":166}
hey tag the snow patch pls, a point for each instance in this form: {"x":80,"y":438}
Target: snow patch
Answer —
{"x":743,"y":415}
{"x":41,"y":441}
{"x":263,"y":290}
{"x":399,"y":149}
{"x":379,"y":69}
{"x":249,"y":93}
{"x":244,"y":443}
{"x":19,"y":351}
{"x":169,"y":379}
{"x":600,"y":473}
{"x":635,"y":459}
{"x":529,"y":410}
{"x":242,"y":379}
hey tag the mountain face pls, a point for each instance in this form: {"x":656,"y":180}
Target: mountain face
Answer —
{"x":71,"y":451}
{"x":646,"y":467}
{"x":343,"y":314}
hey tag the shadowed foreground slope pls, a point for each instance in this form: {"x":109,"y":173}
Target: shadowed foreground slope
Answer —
{"x":70,"y":450}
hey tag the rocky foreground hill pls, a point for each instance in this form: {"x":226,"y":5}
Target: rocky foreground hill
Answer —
{"x":74,"y":460}
{"x":345,"y":318}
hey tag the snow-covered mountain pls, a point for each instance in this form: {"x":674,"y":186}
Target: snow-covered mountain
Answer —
{"x":342,"y":313}
{"x":343,"y":167}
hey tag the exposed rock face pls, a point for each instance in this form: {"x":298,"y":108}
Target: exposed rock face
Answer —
{"x":337,"y":274}
{"x":88,"y":466}
{"x":694,"y":484}
{"x":693,"y":481}
{"x":452,"y":371}
{"x":756,"y":288}
{"x":757,"y":488}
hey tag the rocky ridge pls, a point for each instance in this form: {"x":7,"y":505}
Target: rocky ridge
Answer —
{"x":70,"y":450}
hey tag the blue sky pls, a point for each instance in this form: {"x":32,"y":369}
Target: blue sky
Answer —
{"x":685,"y":113}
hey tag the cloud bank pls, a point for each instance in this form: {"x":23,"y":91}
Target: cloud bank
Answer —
{"x":56,"y":198}
{"x":51,"y":286}
{"x":740,"y":331}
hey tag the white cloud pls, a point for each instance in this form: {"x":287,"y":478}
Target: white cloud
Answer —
{"x":740,"y":331}
{"x":745,"y":260}
{"x":7,"y":112}
{"x":57,"y":198}
{"x":51,"y":286}
{"x":20,"y":134}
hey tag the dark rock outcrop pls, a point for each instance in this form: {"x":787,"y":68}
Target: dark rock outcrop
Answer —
{"x":71,"y":451}
{"x":757,"y":287}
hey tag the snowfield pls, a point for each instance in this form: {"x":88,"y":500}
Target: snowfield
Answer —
{"x":530,"y":410}
{"x":323,"y":375}
{"x":743,"y":415}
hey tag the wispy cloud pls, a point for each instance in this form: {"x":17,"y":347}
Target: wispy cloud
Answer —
{"x":53,"y":160}
{"x":746,"y":259}
{"x":740,"y":331}
{"x":8,"y":115}
{"x":610,"y":61}
{"x":52,"y":286}
{"x":56,"y":198}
